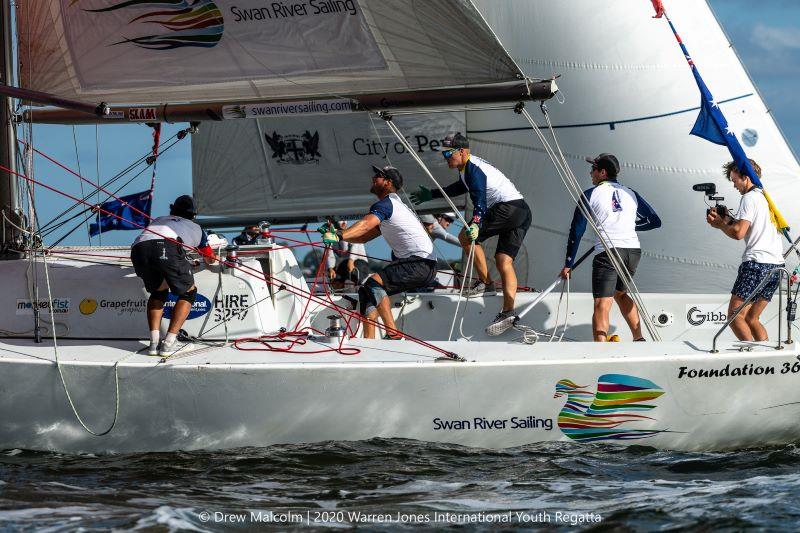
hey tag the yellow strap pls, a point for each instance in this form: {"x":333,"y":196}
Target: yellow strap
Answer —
{"x":777,"y":218}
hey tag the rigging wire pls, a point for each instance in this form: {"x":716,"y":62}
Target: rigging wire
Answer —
{"x":470,"y":263}
{"x":78,"y":161}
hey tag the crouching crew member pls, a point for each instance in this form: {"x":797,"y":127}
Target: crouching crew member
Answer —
{"x":413,"y":264}
{"x":619,"y":213}
{"x":763,"y":251}
{"x":499,"y":209}
{"x":161,"y":263}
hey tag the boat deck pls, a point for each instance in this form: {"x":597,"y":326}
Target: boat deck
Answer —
{"x":127,"y":352}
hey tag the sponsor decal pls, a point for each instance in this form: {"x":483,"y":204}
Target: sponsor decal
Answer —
{"x":284,"y":10}
{"x":200,"y":307}
{"x":706,"y":316}
{"x":609,"y":411}
{"x":89,"y":306}
{"x":479,"y":422}
{"x":118,"y":114}
{"x":749,"y":137}
{"x":178,"y":23}
{"x":59,"y":306}
{"x":738,"y":370}
{"x":372,"y":147}
{"x":231,"y":307}
{"x":284,"y":109}
{"x":294,"y":149}
{"x":142,"y":114}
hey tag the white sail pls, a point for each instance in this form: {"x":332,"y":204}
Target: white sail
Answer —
{"x":158,"y":51}
{"x":630,"y":92}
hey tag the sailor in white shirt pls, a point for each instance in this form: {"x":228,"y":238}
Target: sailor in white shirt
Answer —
{"x":498,"y":210}
{"x":413,"y":265}
{"x":763,"y":252}
{"x":619,"y":212}
{"x":159,"y":258}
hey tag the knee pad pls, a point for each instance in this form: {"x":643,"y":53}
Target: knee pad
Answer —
{"x":369,"y":295}
{"x":161,"y":296}
{"x":365,"y":300}
{"x":189,"y":296}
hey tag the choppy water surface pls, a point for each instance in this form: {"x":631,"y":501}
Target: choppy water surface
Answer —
{"x":391,"y":484}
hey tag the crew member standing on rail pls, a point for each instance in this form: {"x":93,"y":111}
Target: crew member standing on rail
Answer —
{"x":160,"y":260}
{"x":498,"y":209}
{"x":413,"y":264}
{"x":619,"y":212}
{"x":763,"y":252}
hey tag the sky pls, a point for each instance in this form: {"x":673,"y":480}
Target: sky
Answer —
{"x":766,"y":35}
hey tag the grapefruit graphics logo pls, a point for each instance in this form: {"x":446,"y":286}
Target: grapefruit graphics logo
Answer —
{"x":88,"y":306}
{"x":190,"y":23}
{"x":613,"y":412}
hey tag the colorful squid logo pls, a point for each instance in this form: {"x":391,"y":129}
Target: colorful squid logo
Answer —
{"x":196,"y":23}
{"x":609,"y":413}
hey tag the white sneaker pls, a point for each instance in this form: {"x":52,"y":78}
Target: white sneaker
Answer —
{"x":501,"y":323}
{"x":167,"y":350}
{"x":153,"y":348}
{"x":480,"y":288}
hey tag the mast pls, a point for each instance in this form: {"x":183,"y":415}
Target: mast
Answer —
{"x":8,"y":183}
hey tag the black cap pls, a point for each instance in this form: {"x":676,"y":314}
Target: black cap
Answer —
{"x":391,"y":174}
{"x":453,"y":142}
{"x":183,"y":207}
{"x":607,"y":162}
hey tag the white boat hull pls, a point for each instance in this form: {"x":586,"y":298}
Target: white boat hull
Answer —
{"x":503,"y":397}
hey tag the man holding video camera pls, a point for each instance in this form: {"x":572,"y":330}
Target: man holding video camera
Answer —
{"x":763,"y":251}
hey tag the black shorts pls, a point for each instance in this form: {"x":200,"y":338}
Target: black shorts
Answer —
{"x":509,"y":220}
{"x":605,"y":279}
{"x":157,"y":260}
{"x":408,"y":274}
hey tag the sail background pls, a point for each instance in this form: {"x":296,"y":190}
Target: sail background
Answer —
{"x":156,"y":52}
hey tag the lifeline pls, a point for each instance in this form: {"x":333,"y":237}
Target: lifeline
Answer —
{"x":747,"y":369}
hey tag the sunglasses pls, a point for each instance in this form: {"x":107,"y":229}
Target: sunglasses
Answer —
{"x":449,"y":153}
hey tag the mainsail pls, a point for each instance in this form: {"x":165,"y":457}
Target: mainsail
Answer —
{"x":160,"y":51}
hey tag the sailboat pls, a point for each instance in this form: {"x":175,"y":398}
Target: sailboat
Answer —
{"x":338,"y":70}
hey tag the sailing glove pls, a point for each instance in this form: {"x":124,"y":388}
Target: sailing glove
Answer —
{"x":329,"y":236}
{"x":472,"y":232}
{"x":423,"y":195}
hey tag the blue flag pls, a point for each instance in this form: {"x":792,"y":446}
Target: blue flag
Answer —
{"x":712,"y":126}
{"x":132,"y":212}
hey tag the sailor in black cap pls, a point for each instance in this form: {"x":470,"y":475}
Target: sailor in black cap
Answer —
{"x":498,"y":209}
{"x":619,"y":213}
{"x":160,"y":261}
{"x":413,"y":265}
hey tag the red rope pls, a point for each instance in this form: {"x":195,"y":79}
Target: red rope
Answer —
{"x":292,"y":339}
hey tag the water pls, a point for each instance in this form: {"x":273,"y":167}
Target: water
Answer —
{"x":407,"y":482}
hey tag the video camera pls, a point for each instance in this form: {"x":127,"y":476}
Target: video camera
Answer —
{"x":710,"y":190}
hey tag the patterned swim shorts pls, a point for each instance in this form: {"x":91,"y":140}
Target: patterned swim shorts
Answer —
{"x":750,"y":275}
